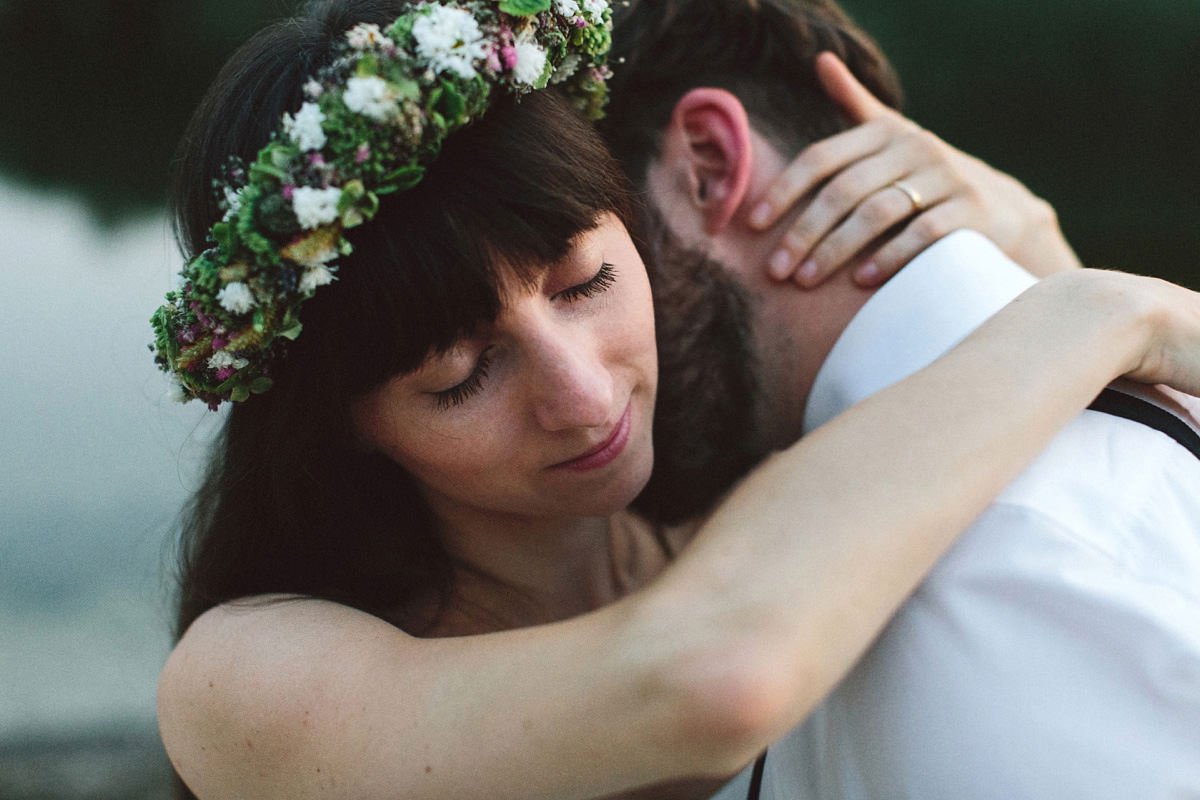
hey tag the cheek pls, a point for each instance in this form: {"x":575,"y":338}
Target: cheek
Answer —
{"x":641,"y":324}
{"x":424,"y":447}
{"x":448,"y":447}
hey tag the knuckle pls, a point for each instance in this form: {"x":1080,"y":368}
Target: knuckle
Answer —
{"x":798,"y":240}
{"x":844,"y":192}
{"x":1043,"y":212}
{"x":876,"y":212}
{"x":926,"y":144}
{"x":930,"y":227}
{"x":827,"y":256}
{"x":970,"y":194}
{"x":816,"y":159}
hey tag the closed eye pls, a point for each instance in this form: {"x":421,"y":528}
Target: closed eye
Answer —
{"x":460,"y":393}
{"x":605,"y":277}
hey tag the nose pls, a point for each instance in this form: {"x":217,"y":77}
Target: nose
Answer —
{"x":572,"y":387}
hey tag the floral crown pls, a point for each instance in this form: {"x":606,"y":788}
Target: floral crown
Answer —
{"x":372,"y":121}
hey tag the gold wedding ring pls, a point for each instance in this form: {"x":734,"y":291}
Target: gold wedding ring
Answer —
{"x":912,"y":193}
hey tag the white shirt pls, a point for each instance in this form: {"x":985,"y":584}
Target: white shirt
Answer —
{"x":1054,"y":651}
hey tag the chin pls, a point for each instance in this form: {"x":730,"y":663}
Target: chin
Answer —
{"x":618,"y":493}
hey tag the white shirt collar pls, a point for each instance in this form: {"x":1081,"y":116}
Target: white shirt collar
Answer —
{"x":928,"y":307}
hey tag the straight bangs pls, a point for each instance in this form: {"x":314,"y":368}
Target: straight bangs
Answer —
{"x":505,"y":199}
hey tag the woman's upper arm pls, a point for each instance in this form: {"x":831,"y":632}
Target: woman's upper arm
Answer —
{"x":308,"y":698}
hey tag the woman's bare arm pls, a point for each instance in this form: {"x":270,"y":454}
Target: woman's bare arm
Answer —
{"x":777,"y":596}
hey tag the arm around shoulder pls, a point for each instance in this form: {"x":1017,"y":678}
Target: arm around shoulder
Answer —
{"x":780,"y":592}
{"x":305,"y":698}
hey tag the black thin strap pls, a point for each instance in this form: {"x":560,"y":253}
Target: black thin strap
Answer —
{"x":1127,"y":406}
{"x":756,"y":777}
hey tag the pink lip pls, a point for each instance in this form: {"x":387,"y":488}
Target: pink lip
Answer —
{"x":604,"y":452}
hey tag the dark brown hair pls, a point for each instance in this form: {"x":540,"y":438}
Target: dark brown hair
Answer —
{"x":763,"y":51}
{"x":760,"y":50}
{"x":291,"y":504}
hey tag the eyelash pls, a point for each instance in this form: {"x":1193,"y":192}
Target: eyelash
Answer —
{"x":457,"y":395}
{"x":605,"y":277}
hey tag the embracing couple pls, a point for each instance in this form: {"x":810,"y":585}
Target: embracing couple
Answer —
{"x":877,"y":548}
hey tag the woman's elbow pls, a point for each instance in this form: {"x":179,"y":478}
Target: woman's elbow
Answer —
{"x":732,"y":705}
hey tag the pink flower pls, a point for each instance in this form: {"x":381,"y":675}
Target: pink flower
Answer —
{"x":493,"y":59}
{"x":225,"y":372}
{"x":316,"y":159}
{"x":287,"y":191}
{"x":508,"y":55}
{"x":361,"y":154}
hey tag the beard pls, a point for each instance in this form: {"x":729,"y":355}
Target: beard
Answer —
{"x":706,"y":435}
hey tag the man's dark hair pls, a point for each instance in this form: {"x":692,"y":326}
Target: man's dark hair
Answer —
{"x":762,"y":51}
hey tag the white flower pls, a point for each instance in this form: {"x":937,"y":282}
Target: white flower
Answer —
{"x":370,"y":96}
{"x":568,"y":8}
{"x":567,"y":68}
{"x":316,"y":275}
{"x":449,"y":39}
{"x":175,"y":391}
{"x":313,"y":89}
{"x":365,"y":34}
{"x":595,"y":8}
{"x":223,"y":358}
{"x":305,"y":128}
{"x":233,"y":203}
{"x":315,"y":207}
{"x":236,"y":297}
{"x":531,"y":61}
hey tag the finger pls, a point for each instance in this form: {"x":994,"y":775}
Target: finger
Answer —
{"x":836,"y":203}
{"x":871,"y":219}
{"x":815,"y":164}
{"x":844,"y":89}
{"x":923,"y":230}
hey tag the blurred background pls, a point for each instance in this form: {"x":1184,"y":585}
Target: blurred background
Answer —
{"x":1094,"y":105}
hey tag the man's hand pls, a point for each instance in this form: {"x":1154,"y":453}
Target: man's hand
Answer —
{"x":888,"y":171}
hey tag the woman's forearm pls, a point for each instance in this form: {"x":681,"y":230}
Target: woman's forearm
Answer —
{"x":769,"y":606}
{"x":796,"y":572}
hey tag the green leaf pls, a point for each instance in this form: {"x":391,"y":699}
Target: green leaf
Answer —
{"x":261,"y":384}
{"x":258,"y":170}
{"x":260,"y":320}
{"x":220,"y":234}
{"x":367,"y":66}
{"x":524,"y":8}
{"x":352,"y":192}
{"x":403,"y":178}
{"x":239,"y":394}
{"x":291,"y":332}
{"x":451,"y":104}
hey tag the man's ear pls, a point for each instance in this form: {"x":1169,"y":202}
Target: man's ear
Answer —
{"x":707,"y":145}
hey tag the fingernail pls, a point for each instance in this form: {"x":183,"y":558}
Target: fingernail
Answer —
{"x":807,"y":272}
{"x":759,"y":216}
{"x":779,"y":264}
{"x":868,"y":273}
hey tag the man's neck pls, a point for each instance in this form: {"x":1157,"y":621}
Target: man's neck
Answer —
{"x":795,"y":329}
{"x":944,"y":293}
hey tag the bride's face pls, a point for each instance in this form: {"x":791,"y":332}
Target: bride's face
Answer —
{"x":546,"y":412}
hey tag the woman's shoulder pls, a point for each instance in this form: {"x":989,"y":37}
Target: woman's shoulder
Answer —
{"x":230,"y":646}
{"x":249,"y":672}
